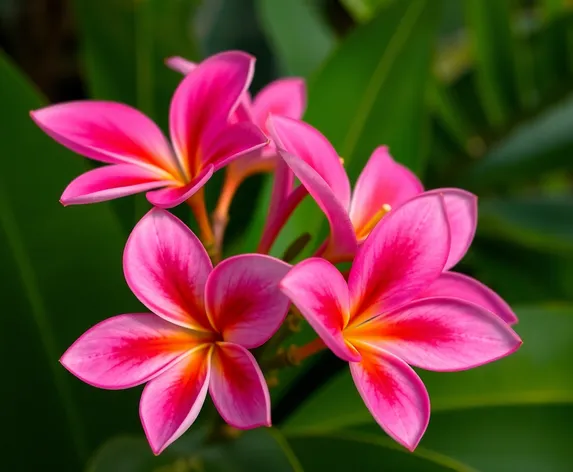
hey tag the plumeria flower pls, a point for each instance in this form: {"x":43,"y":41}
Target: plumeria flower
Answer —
{"x":378,"y":323}
{"x":195,"y":340}
{"x":140,"y":157}
{"x":282,"y":97}
{"x":382,"y":187}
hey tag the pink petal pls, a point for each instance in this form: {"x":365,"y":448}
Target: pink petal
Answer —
{"x":243,"y":111}
{"x":127,"y":350}
{"x":441,"y":334}
{"x":454,"y":285}
{"x":319,"y":291}
{"x":243,"y":298}
{"x":343,"y":239}
{"x":238,"y":387}
{"x":382,"y":182}
{"x":403,"y":255}
{"x":283,"y":97}
{"x":112,"y":181}
{"x":107,"y":132}
{"x":394,"y":394}
{"x":461,"y":208}
{"x":234,"y":141}
{"x":180,"y":64}
{"x":280,"y":209}
{"x":203,"y":103}
{"x":307,"y":143}
{"x":171,"y":402}
{"x":173,"y":196}
{"x":166,"y":267}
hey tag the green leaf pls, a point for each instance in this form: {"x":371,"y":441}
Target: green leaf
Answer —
{"x":364,"y":10}
{"x":359,"y":451}
{"x":256,"y":450}
{"x":384,"y":86}
{"x":528,"y":438}
{"x":299,"y":53}
{"x":538,"y":373}
{"x":540,"y":145}
{"x":489,"y":28}
{"x":383,"y":97}
{"x":500,"y":439}
{"x":61,"y":273}
{"x":542,"y":222}
{"x":125,"y":43}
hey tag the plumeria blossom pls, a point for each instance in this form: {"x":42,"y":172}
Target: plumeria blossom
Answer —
{"x":139,"y":156}
{"x":382,"y":187}
{"x":195,"y":340}
{"x":282,"y":97}
{"x":380,"y":325}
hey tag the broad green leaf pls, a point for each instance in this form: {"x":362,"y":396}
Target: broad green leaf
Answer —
{"x":518,"y":273}
{"x":527,"y":438}
{"x":61,"y":273}
{"x":125,"y":43}
{"x":538,"y":373}
{"x":299,"y":36}
{"x":363,"y":10}
{"x":489,"y":28}
{"x":359,"y":451}
{"x":540,"y":145}
{"x":258,"y":450}
{"x":542,"y":222}
{"x":384,"y":86}
{"x":363,"y":97}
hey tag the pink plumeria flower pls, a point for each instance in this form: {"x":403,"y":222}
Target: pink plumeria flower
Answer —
{"x":140,"y":156}
{"x":197,"y":337}
{"x":378,"y":324}
{"x":282,"y":97}
{"x":382,"y":187}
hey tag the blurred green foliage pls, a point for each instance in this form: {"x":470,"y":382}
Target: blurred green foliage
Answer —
{"x":473,"y":93}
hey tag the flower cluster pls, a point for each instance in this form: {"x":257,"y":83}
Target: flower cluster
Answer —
{"x":398,"y":306}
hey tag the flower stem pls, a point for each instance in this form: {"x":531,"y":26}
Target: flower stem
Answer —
{"x":197,"y":204}
{"x":221,"y":213}
{"x":299,"y":354}
{"x":293,"y":356}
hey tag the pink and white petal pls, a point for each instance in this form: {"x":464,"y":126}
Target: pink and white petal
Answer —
{"x":171,"y":402}
{"x":461,"y":208}
{"x":394,"y":395}
{"x":454,"y":285}
{"x":283,"y":97}
{"x":166,"y":267}
{"x":343,"y":239}
{"x":112,"y":181}
{"x":203,"y":103}
{"x":403,"y":255}
{"x":243,"y":298}
{"x":173,"y":196}
{"x":180,"y":64}
{"x":383,"y":181}
{"x":108,"y":132}
{"x":233,"y":142}
{"x":238,"y":387}
{"x":319,"y":291}
{"x":127,"y":350}
{"x":308,"y":144}
{"x":441,"y":334}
